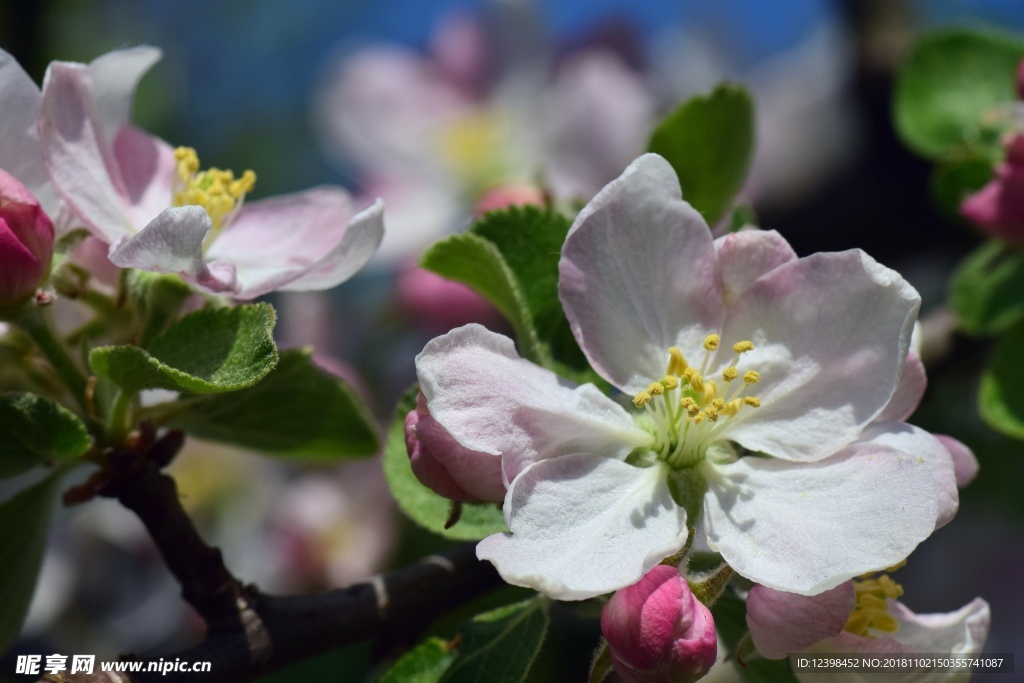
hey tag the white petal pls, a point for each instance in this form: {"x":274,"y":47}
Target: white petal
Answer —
{"x":906,"y":398}
{"x":831,"y":333}
{"x":582,"y":525}
{"x":783,"y":623}
{"x":491,"y":400}
{"x":638,"y":276}
{"x":807,"y":527}
{"x":927,"y":449}
{"x":114,"y":77}
{"x":746,"y":255}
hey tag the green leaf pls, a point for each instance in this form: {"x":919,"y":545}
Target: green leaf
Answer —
{"x":477,"y":263}
{"x":299,"y":410}
{"x":158,"y":298}
{"x":742,"y":216}
{"x":499,"y":646}
{"x":34,"y":429}
{"x":1001,"y":396}
{"x":208,"y":351}
{"x":24,"y":523}
{"x":987,"y":289}
{"x":709,"y":140}
{"x":422,"y":505}
{"x":956,"y":178}
{"x":425,"y":663}
{"x":602,"y":664}
{"x":951,"y":88}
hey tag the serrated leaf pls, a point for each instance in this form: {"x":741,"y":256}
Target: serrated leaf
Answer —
{"x":987,"y":289}
{"x":34,"y":429}
{"x":477,"y":263}
{"x":157,"y":298}
{"x":1001,"y":396}
{"x":709,"y":140}
{"x":24,"y":523}
{"x":499,"y":646}
{"x":422,"y":505}
{"x":298,"y":411}
{"x":425,"y":663}
{"x":950,"y":88}
{"x":208,"y":351}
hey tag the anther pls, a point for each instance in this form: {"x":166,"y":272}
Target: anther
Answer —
{"x":694,"y":378}
{"x":709,"y":392}
{"x":752,"y":401}
{"x":711,"y":342}
{"x":656,"y":389}
{"x":730,"y":373}
{"x":670,"y":382}
{"x":641,"y":399}
{"x":676,"y":362}
{"x":690,"y":406}
{"x":743,"y":346}
{"x":751,"y":377}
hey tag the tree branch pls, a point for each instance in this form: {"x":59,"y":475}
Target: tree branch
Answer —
{"x":251,"y":634}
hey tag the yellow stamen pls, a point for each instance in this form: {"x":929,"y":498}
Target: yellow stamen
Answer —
{"x":694,"y":378}
{"x":670,"y":382}
{"x":711,"y":342}
{"x":752,"y":401}
{"x":712,"y":413}
{"x":872,"y":610}
{"x":732,"y":407}
{"x":709,"y":392}
{"x":676,"y":362}
{"x":641,"y":399}
{"x":751,"y":377}
{"x":690,"y":406}
{"x":217,"y":191}
{"x":730,"y":373}
{"x":743,"y":346}
{"x":656,"y":389}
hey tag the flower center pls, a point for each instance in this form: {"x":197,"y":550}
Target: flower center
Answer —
{"x":872,"y":611}
{"x":688,"y":408}
{"x":473,"y":147}
{"x":217,"y":191}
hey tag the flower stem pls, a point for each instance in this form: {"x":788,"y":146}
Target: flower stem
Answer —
{"x":31,"y":320}
{"x":118,"y":425}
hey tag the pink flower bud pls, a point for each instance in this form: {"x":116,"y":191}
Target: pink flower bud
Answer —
{"x":439,"y":305}
{"x":658,"y":632}
{"x":26,"y":242}
{"x":998,"y":207}
{"x":504,"y":196}
{"x":446,"y":466}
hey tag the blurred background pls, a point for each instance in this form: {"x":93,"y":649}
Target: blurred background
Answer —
{"x":450,"y":106}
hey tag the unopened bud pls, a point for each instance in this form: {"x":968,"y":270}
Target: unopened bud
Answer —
{"x":26,"y":242}
{"x":658,"y":632}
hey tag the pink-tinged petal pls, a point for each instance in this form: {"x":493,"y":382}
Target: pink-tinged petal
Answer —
{"x":909,"y":391}
{"x":491,"y":400}
{"x":998,"y":207}
{"x":956,"y":634}
{"x":438,"y":304}
{"x":447,"y":467}
{"x":598,"y":115}
{"x":783,"y":623}
{"x":147,"y":165}
{"x":965,"y":465}
{"x":114,"y":77}
{"x":297,"y":242}
{"x":831,"y":332}
{"x":615,"y":522}
{"x":926,"y":449}
{"x":173,"y":243}
{"x":807,"y":527}
{"x":746,"y":255}
{"x":19,"y":141}
{"x":638,"y":276}
{"x":79,"y":158}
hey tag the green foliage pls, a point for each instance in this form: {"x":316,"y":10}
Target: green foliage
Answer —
{"x":157,"y":298}
{"x":1001,"y":397}
{"x":709,"y":140}
{"x":953,"y":88}
{"x":511,"y":258}
{"x":987,"y":289}
{"x":208,"y":351}
{"x":956,"y":178}
{"x":24,"y":522}
{"x":602,"y":664}
{"x":34,"y":429}
{"x":422,"y":505}
{"x":425,"y":663}
{"x":499,"y":646}
{"x":730,"y":614}
{"x":299,"y":410}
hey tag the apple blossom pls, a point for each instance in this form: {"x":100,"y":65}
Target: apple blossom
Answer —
{"x":862,"y":616}
{"x":755,"y":376}
{"x":658,"y":632}
{"x":998,"y":207}
{"x":159,"y":211}
{"x":26,"y":242}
